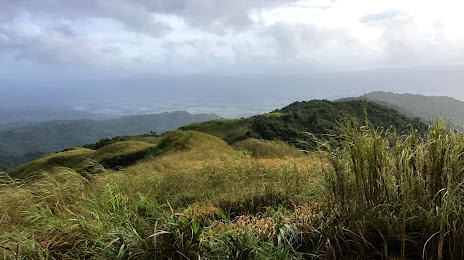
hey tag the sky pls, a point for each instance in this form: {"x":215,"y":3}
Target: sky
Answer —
{"x":121,"y":38}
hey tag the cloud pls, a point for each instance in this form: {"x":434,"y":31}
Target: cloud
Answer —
{"x":56,"y":46}
{"x":140,"y":15}
{"x":384,"y":15}
{"x":134,"y":16}
{"x":229,"y":36}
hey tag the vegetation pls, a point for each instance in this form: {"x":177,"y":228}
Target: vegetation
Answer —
{"x":398,"y":195}
{"x":293,"y":123}
{"x":25,"y":143}
{"x":268,"y":149}
{"x":374,"y":195}
{"x":194,"y":195}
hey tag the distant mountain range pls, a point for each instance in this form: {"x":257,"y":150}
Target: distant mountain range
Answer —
{"x":19,"y":116}
{"x":230,"y":96}
{"x":23,"y":142}
{"x":427,"y":108}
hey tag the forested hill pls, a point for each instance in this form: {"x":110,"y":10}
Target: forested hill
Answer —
{"x":25,"y":143}
{"x":425,"y":107}
{"x":318,"y":117}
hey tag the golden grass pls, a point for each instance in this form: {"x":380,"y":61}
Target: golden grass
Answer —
{"x":119,"y":148}
{"x":268,"y":149}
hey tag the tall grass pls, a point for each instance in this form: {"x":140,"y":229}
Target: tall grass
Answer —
{"x":184,"y":204}
{"x":375,"y":195}
{"x":398,"y":195}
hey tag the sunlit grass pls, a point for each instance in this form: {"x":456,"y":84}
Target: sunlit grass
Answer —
{"x":71,"y":158}
{"x":65,"y":215}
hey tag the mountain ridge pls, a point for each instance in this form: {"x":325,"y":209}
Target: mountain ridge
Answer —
{"x":428,"y":108}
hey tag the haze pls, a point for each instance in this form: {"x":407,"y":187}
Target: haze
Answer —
{"x":230,"y":57}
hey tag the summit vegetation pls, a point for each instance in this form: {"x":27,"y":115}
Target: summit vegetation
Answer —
{"x":299,"y":122}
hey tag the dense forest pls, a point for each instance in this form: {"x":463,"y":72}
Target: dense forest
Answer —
{"x":299,"y":122}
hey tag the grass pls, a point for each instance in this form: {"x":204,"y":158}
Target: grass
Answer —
{"x":230,"y":130}
{"x":399,"y":195}
{"x":196,"y":183}
{"x":268,"y":149}
{"x":70,"y":158}
{"x":375,"y":195}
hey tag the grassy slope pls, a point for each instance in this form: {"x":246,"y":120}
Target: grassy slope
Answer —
{"x":229,"y":130}
{"x":66,"y":215}
{"x":72,"y":158}
{"x":112,"y":155}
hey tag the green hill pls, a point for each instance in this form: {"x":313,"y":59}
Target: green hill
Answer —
{"x":22,"y":144}
{"x":427,"y":108}
{"x":293,"y":123}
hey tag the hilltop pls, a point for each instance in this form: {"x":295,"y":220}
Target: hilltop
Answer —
{"x":26,"y":142}
{"x":292,"y":123}
{"x":427,"y":108}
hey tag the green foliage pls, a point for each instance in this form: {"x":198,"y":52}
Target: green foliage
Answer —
{"x":300,"y":122}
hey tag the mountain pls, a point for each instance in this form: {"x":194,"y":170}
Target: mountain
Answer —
{"x":24,"y":143}
{"x":293,"y":122}
{"x":425,"y":107}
